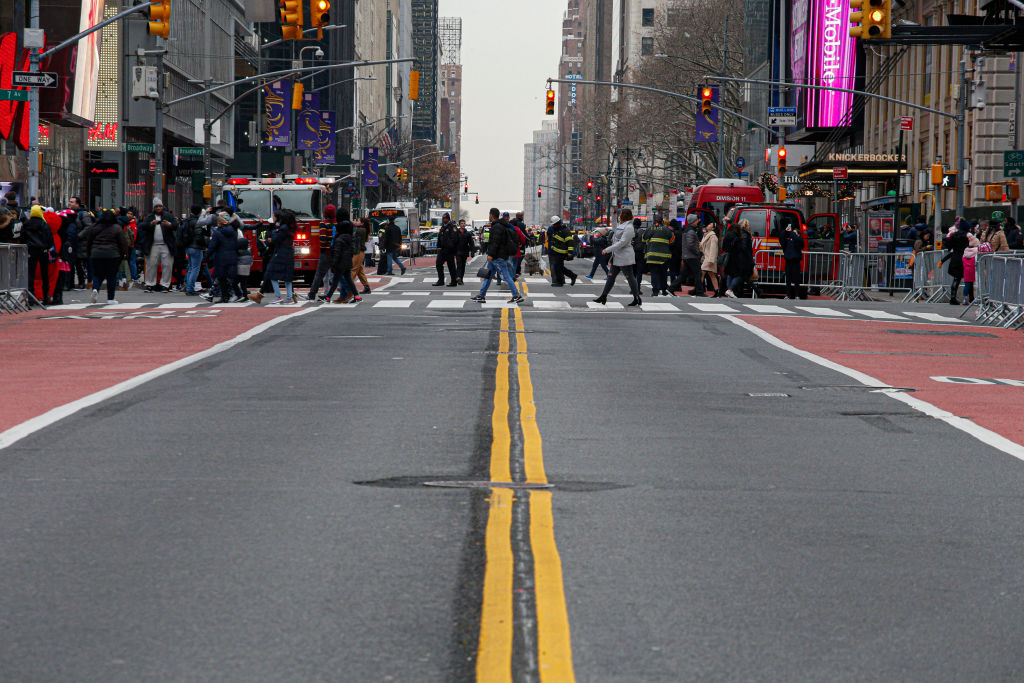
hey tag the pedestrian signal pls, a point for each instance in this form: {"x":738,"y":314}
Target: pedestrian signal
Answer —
{"x":549,"y":108}
{"x":871,"y":19}
{"x":160,"y":19}
{"x":705,"y":101}
{"x":414,"y":84}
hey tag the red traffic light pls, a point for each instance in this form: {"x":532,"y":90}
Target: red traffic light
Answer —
{"x":782,"y":152}
{"x":465,"y":189}
{"x":706,"y":93}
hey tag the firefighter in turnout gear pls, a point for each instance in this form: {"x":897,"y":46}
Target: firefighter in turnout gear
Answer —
{"x":561,"y":248}
{"x":657,"y":254}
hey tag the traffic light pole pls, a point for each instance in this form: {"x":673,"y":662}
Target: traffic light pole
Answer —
{"x":961,"y":136}
{"x":33,"y":110}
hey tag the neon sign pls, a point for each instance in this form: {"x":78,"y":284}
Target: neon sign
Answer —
{"x":832,"y":61}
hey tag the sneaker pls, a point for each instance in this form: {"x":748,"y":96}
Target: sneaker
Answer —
{"x":207,"y":297}
{"x":92,"y":297}
{"x":516,"y":300}
{"x":311,"y":297}
{"x":149,"y":289}
{"x":479,"y":299}
{"x":279,"y":301}
{"x":111,"y":302}
{"x":589,"y":277}
{"x":366,"y":290}
{"x":356,"y":299}
{"x":238,"y":299}
{"x":729,"y":294}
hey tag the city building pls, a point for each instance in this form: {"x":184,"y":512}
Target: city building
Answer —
{"x":540,"y":176}
{"x":427,"y":49}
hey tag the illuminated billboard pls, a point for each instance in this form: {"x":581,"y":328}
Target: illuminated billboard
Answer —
{"x":831,"y":61}
{"x":88,"y":62}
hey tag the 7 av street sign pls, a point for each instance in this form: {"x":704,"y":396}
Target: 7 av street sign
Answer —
{"x":15,"y":95}
{"x":43,"y":79}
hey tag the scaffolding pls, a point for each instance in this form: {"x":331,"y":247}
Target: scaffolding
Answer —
{"x":449,"y":31}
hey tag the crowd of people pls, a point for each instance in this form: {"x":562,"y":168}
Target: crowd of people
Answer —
{"x":965,"y":241}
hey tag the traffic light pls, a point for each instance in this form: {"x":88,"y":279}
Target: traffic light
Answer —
{"x":781,"y":194}
{"x":549,"y":108}
{"x":160,"y":19}
{"x":782,"y":160}
{"x":478,"y":200}
{"x":465,"y":189}
{"x":1013,"y":190}
{"x":538,"y":192}
{"x":292,"y":20}
{"x":319,"y":16}
{"x":598,"y":197}
{"x":937,"y":173}
{"x":994,"y":193}
{"x":414,"y":84}
{"x":590,"y":187}
{"x":705,"y":101}
{"x":579,"y":198}
{"x":872,"y":19}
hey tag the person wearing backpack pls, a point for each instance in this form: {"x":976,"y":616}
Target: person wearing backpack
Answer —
{"x":327,"y":232}
{"x":501,"y":245}
{"x":560,"y":239}
{"x":11,"y":219}
{"x":244,"y":262}
{"x":447,"y":244}
{"x":38,"y":237}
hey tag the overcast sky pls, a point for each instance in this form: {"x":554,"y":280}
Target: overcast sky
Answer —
{"x":508,"y":48}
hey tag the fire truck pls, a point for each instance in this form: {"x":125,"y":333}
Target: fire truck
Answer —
{"x":256,"y":199}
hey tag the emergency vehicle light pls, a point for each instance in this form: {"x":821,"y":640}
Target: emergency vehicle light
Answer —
{"x":301,"y":236}
{"x":238,"y":181}
{"x":305,"y":181}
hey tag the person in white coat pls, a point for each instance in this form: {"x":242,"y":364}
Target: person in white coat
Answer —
{"x":622,"y":258}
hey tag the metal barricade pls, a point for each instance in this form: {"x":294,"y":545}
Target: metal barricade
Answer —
{"x":999,"y":286}
{"x":854,"y":282}
{"x":931,"y":279}
{"x":14,"y":293}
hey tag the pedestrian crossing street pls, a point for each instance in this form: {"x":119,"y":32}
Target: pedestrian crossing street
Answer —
{"x":439,"y":300}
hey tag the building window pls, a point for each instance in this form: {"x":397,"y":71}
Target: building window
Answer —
{"x":647,"y":46}
{"x":647,"y":16}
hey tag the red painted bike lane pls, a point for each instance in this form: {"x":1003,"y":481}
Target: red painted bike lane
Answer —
{"x":911,"y":355}
{"x":54,"y":357}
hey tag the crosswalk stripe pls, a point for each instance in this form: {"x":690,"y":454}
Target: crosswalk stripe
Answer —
{"x":394,"y":303}
{"x":546,"y":295}
{"x":714,"y":308}
{"x":447,"y":303}
{"x":188,"y":304}
{"x":877,"y":315}
{"x":935,"y":317}
{"x":457,"y":293}
{"x":497,"y":304}
{"x":413,"y":293}
{"x":536,"y":280}
{"x":659,"y":308}
{"x":110,"y":307}
{"x":610,"y":305}
{"x":551,"y":305}
{"x":580,"y":296}
{"x":821,"y":310}
{"x":764,"y":308}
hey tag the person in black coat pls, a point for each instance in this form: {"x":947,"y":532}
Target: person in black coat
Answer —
{"x":223,"y":255}
{"x":599,"y":242}
{"x":447,"y":246}
{"x":739,"y":262}
{"x":342,"y":250}
{"x":393,"y":246}
{"x":956,"y":242}
{"x":37,"y":236}
{"x":792,"y":243}
{"x":465,"y":247}
{"x":157,"y":247}
{"x":281,"y":266}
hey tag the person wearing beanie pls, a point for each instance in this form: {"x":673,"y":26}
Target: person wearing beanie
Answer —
{"x":106,"y":244}
{"x":955,"y":242}
{"x":156,"y":243}
{"x":36,"y":234}
{"x":327,"y":233}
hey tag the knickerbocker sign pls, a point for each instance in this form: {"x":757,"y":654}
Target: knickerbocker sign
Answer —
{"x":890,"y":158}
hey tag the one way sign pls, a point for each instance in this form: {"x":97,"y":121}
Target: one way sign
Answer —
{"x":44,"y":79}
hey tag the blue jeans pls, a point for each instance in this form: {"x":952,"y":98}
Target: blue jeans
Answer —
{"x":734,"y":283}
{"x":502,"y":267}
{"x":599,"y":260}
{"x":195,"y":261}
{"x":393,"y":260}
{"x":288,"y":289}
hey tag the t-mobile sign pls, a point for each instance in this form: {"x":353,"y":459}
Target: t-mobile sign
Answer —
{"x":832,"y":61}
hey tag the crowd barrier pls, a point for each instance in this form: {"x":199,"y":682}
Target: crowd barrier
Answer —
{"x":931,"y":278}
{"x":999,"y":290}
{"x":14,"y":293}
{"x":844,"y":276}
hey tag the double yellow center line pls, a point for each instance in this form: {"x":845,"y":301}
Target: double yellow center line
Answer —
{"x":553,"y":654}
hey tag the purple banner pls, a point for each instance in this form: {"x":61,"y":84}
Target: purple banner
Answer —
{"x":831,"y":62}
{"x":370,"y":168}
{"x":325,"y":152}
{"x":707,"y":126}
{"x":307,"y":123}
{"x":277,"y":99}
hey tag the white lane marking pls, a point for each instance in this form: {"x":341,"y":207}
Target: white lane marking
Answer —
{"x":877,"y":315}
{"x":610,"y":305}
{"x":28,"y":427}
{"x":543,"y":295}
{"x":189,"y":304}
{"x":394,"y":303}
{"x":537,"y":281}
{"x":119,"y":307}
{"x":581,"y":296}
{"x":821,"y":310}
{"x":764,"y":308}
{"x":458,"y":293}
{"x":659,"y":308}
{"x":986,"y":436}
{"x":240,"y":304}
{"x":414,"y":293}
{"x":495,"y":304}
{"x":551,"y":305}
{"x":447,"y":303}
{"x":68,"y":307}
{"x":374,"y":279}
{"x":936,"y":317}
{"x":714,"y":308}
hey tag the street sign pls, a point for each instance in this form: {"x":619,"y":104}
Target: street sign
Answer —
{"x":906,"y":123}
{"x":740,"y":162}
{"x":949,"y":180}
{"x":782,"y":116}
{"x":1013,"y":163}
{"x":14,"y":95}
{"x":188,"y":151}
{"x":840,"y":173}
{"x":144,"y":147}
{"x":43,"y":79}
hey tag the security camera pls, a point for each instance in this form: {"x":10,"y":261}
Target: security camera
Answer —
{"x":319,"y":54}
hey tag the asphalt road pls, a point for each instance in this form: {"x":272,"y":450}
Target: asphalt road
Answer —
{"x":262,"y":515}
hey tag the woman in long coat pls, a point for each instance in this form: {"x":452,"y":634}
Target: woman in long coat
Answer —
{"x":282,"y":264}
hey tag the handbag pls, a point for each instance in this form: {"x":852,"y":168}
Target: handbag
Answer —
{"x":484,"y":273}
